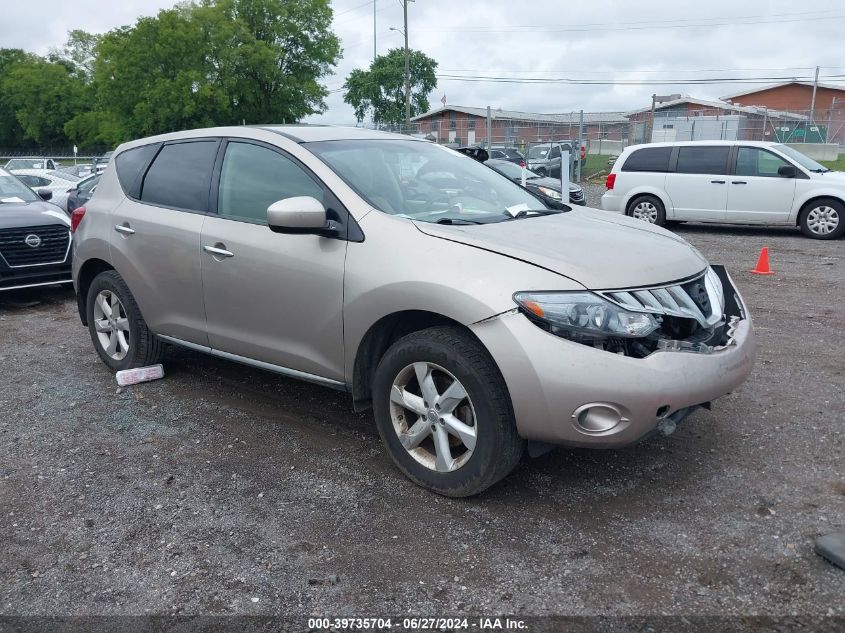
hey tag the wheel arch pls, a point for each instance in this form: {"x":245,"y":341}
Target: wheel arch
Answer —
{"x":378,"y":339}
{"x":653,"y":192}
{"x":87,"y":273}
{"x":816,"y":197}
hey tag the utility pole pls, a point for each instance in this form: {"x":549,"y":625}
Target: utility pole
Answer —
{"x":407,"y":68}
{"x":651,"y":130}
{"x":813,"y":100}
{"x":375,"y":47}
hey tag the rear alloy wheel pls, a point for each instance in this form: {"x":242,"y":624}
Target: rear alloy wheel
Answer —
{"x":444,"y":413}
{"x":118,"y":331}
{"x":823,"y":219}
{"x":648,"y":209}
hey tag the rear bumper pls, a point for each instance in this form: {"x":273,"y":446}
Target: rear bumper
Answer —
{"x":553,"y":381}
{"x":612,"y":202}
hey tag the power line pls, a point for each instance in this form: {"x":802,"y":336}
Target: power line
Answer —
{"x":630,"y":82}
{"x":632,"y":26}
{"x":636,"y":70}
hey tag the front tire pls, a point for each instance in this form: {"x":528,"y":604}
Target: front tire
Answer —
{"x":823,"y":219}
{"x":118,"y":331}
{"x":444,"y":414}
{"x":648,"y":209}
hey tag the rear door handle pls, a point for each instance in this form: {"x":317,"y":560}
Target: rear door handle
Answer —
{"x":718,"y":182}
{"x":738,"y":182}
{"x":218,"y":252}
{"x":124,"y":228}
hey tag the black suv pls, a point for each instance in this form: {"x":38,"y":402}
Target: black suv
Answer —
{"x":34,"y":237}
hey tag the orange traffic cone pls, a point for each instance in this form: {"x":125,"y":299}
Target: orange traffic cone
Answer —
{"x":762,"y":267}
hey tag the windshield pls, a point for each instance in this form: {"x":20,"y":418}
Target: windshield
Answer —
{"x":13,"y":190}
{"x":802,"y":159}
{"x":538,"y":151}
{"x":512,"y":170}
{"x":26,"y":163}
{"x":424,"y":181}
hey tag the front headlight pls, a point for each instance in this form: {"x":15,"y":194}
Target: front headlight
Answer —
{"x":584,"y":313}
{"x":551,"y":193}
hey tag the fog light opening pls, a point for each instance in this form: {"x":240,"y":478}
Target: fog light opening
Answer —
{"x":597,"y":418}
{"x":662,"y":411}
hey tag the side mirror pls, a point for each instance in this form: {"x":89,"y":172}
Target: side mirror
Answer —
{"x":787,"y":171}
{"x":45,"y":194}
{"x":302,"y":214}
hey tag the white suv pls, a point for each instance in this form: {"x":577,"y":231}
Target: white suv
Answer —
{"x":738,"y":182}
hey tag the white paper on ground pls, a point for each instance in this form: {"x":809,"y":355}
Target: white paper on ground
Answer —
{"x":140,"y":374}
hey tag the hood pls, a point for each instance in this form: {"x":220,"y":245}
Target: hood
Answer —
{"x":17,"y":214}
{"x":598,"y":249}
{"x":551,"y":183}
{"x":837,"y":177}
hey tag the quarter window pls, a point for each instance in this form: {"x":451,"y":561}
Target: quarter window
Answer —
{"x":180,"y":176}
{"x":703,"y":160}
{"x":129,"y":165}
{"x":649,"y":159}
{"x":751,"y":161}
{"x":254,"y":177}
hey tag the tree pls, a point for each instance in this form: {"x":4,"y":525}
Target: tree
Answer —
{"x":77,"y":54}
{"x":43,"y":96}
{"x":269,"y":55}
{"x":380,"y":91}
{"x":11,"y":132}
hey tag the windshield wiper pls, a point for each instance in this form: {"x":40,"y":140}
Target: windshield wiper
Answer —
{"x":525,"y":213}
{"x":823,"y":170}
{"x":457,"y":221}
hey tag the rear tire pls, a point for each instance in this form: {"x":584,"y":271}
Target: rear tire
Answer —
{"x":648,"y":209}
{"x":823,"y":219}
{"x":118,"y":331}
{"x":463,"y":381}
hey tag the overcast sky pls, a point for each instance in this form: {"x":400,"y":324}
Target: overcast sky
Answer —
{"x":598,"y":40}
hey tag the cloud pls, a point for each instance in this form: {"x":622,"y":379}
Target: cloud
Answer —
{"x":609,"y":40}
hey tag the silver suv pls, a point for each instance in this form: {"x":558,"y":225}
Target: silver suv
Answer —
{"x":476,"y":319}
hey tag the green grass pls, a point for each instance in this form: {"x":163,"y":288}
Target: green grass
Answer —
{"x":835,"y":165}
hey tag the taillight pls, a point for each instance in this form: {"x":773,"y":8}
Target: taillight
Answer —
{"x":522,"y":163}
{"x":76,"y":218}
{"x":611,"y":180}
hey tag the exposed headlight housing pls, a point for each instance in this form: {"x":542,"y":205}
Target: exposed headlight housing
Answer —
{"x":583,"y":314}
{"x":551,"y":193}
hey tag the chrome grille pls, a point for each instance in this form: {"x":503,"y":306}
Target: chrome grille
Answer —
{"x":701,"y":298}
{"x":53,"y":242}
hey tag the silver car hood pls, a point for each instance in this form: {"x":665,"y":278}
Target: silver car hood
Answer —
{"x":595,"y":248}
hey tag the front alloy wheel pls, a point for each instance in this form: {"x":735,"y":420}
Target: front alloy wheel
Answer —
{"x":433,"y":416}
{"x":111,"y":325}
{"x":444,"y":413}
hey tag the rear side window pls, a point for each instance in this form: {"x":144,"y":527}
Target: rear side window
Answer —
{"x":130,"y":164}
{"x":703,"y":160}
{"x":648,"y":159}
{"x":180,"y":176}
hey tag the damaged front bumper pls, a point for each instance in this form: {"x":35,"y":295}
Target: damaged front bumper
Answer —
{"x":567,"y":393}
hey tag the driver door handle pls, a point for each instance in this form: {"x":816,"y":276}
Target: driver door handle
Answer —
{"x":718,"y":182}
{"x":219,"y":252}
{"x":738,"y":182}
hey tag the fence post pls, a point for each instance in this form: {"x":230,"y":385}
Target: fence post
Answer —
{"x":580,"y":144}
{"x":489,"y":130}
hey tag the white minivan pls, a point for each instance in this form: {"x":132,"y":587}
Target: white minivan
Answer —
{"x":737,"y":182}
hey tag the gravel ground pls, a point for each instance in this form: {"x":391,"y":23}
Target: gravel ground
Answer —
{"x":226,"y":490}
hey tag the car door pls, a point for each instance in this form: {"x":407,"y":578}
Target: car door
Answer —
{"x":271,"y":297}
{"x":756,"y":193}
{"x":156,"y":232}
{"x":697,"y":186}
